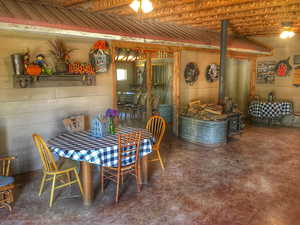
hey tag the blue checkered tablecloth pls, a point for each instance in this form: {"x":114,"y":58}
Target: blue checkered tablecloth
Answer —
{"x":260,"y":109}
{"x":82,"y":146}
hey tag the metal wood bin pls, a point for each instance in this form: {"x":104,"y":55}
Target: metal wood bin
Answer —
{"x":208,"y":133}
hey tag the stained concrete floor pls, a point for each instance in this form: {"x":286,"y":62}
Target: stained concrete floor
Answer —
{"x":254,"y":180}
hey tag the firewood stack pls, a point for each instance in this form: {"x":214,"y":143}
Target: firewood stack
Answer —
{"x":211,"y":112}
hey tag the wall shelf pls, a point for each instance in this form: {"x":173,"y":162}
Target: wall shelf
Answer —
{"x":55,"y":80}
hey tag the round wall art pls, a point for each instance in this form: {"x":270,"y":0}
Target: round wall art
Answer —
{"x":283,"y":68}
{"x":191,"y":73}
{"x":212,"y":72}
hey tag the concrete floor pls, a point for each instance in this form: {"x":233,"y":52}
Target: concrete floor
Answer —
{"x":254,"y":180}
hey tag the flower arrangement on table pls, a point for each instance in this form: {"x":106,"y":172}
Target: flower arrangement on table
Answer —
{"x":110,"y":114}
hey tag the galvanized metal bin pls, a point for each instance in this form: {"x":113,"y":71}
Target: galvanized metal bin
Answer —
{"x":208,"y":133}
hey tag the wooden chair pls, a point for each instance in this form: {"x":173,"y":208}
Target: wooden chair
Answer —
{"x":128,"y":147}
{"x":6,"y":183}
{"x":75,"y":123}
{"x":53,"y":172}
{"x":157,"y":126}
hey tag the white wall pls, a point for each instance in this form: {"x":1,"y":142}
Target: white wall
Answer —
{"x":41,"y":110}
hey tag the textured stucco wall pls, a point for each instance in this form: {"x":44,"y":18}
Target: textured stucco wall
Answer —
{"x":282,"y":87}
{"x":202,"y":89}
{"x":41,"y":110}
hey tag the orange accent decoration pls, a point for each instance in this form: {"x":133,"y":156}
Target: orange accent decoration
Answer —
{"x":100,"y":45}
{"x":81,"y":68}
{"x":33,"y":70}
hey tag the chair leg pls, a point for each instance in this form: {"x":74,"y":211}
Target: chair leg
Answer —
{"x":118,"y":188}
{"x":11,"y":196}
{"x":160,"y":159}
{"x":42,"y":184}
{"x":138,"y":178}
{"x":4,"y":204}
{"x":102,"y":179}
{"x":68,"y":178}
{"x":52,"y":190}
{"x":79,"y":182}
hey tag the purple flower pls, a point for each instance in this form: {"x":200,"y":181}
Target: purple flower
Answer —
{"x":111,"y":113}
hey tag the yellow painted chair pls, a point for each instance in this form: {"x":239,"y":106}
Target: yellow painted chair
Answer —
{"x":6,"y":183}
{"x":128,"y":146}
{"x":157,"y":126}
{"x":51,"y":172}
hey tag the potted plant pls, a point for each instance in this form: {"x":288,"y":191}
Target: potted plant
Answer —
{"x":61,"y":55}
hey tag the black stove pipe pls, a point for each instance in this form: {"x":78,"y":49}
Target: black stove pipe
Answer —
{"x":223,"y":53}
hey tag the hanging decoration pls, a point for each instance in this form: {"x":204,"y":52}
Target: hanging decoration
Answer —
{"x":212,"y":72}
{"x":191,"y":73}
{"x":100,"y":57}
{"x":283,"y":67}
{"x":128,"y":55}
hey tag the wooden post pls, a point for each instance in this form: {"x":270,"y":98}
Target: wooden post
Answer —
{"x":149,"y":84}
{"x":87,"y":182}
{"x":176,"y":91}
{"x":252,"y":78}
{"x":114,"y":77}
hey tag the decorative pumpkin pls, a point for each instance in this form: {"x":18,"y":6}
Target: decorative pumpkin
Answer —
{"x":33,"y":70}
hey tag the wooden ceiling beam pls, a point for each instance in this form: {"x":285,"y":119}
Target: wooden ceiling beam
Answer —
{"x":124,"y":9}
{"x":238,"y":15}
{"x":175,"y":7}
{"x":228,"y":11}
{"x":252,"y":20}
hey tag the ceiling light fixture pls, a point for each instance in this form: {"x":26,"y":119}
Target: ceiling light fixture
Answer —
{"x":287,"y":31}
{"x":142,"y":6}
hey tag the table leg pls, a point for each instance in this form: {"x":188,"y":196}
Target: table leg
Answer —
{"x":145,"y":175}
{"x":87,"y":182}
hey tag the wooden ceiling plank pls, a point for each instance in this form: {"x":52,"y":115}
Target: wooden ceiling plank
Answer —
{"x":243,"y":14}
{"x":227,"y":11}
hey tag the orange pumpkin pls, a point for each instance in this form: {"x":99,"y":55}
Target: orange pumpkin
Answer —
{"x":33,"y":70}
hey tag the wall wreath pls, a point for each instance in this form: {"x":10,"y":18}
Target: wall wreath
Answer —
{"x":191,"y":73}
{"x":212,"y":72}
{"x":283,"y":68}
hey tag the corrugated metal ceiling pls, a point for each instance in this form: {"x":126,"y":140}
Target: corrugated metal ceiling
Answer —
{"x":38,"y":14}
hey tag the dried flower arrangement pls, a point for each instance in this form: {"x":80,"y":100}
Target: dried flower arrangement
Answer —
{"x":61,"y":55}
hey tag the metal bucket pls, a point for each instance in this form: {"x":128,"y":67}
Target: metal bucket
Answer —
{"x":165,"y":111}
{"x":210,"y":133}
{"x":18,"y":63}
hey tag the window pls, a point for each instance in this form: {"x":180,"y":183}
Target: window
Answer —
{"x":121,"y":74}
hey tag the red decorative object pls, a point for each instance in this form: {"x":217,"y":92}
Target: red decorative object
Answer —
{"x":33,"y":70}
{"x":283,"y":68}
{"x":102,"y":45}
{"x":81,"y":68}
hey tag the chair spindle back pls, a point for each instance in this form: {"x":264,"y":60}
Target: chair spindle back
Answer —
{"x":47,"y":158}
{"x":5,"y":165}
{"x":157,"y":126}
{"x":128,"y":145}
{"x":75,"y":123}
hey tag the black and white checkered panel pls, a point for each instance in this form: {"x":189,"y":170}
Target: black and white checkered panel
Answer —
{"x":270,"y":109}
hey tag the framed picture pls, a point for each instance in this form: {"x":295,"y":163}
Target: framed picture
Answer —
{"x":296,"y":78}
{"x":265,"y":72}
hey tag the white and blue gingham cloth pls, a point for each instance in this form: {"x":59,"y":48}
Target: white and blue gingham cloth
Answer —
{"x":261,"y":109}
{"x":82,"y":146}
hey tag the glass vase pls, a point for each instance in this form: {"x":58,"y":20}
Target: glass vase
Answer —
{"x":111,"y":126}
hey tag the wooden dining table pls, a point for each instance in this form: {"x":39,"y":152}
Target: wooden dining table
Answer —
{"x":82,"y":146}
